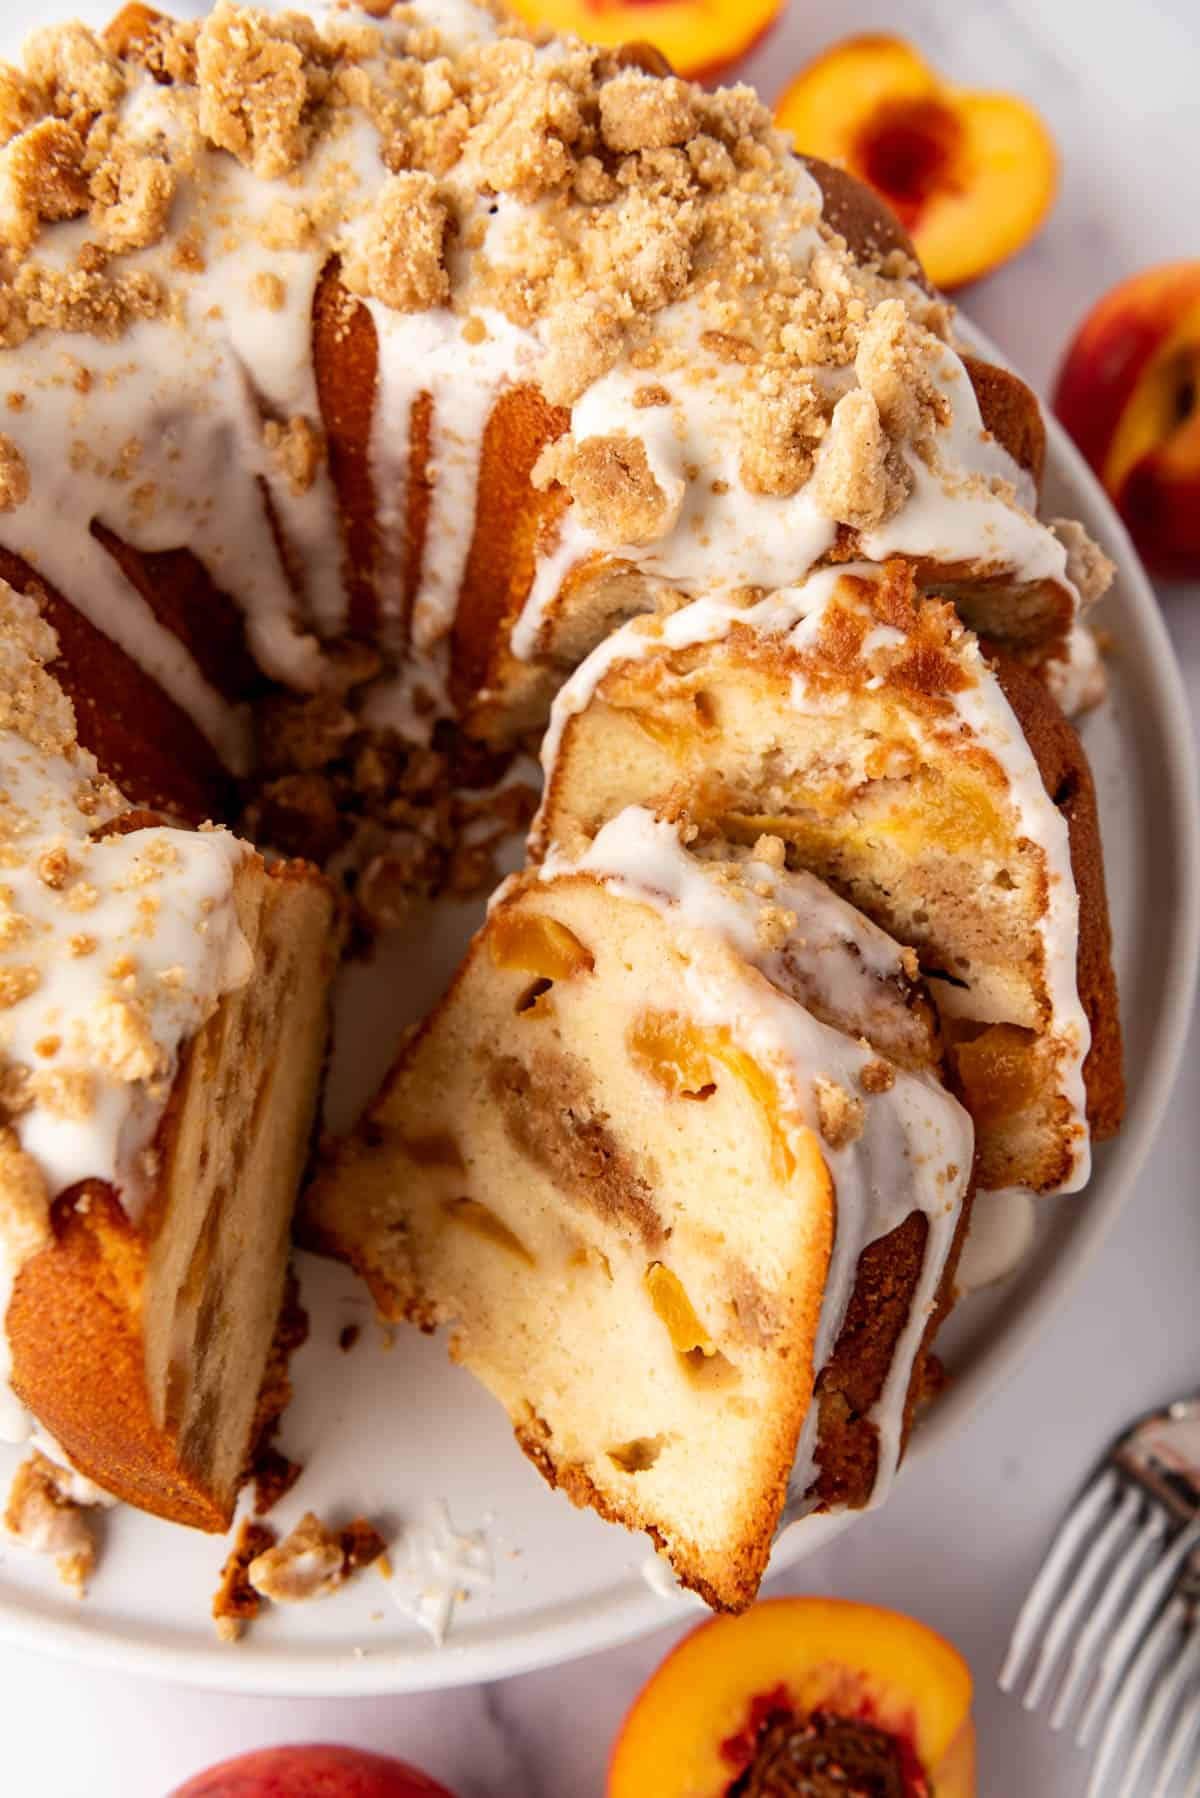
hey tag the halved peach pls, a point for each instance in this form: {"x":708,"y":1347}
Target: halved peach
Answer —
{"x":699,"y":38}
{"x":794,"y":1682}
{"x":1128,"y":392}
{"x":971,"y":175}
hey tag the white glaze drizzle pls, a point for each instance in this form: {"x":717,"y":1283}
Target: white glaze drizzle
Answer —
{"x":987,"y":721}
{"x":665,"y":1583}
{"x":439,"y":1568}
{"x":426,"y":353}
{"x":832,"y":957}
{"x":917,"y":1142}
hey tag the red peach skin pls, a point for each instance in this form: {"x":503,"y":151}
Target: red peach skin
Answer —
{"x":1127,"y":393}
{"x":312,"y":1770}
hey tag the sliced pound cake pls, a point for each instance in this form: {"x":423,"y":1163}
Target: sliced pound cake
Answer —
{"x":941,"y":791}
{"x":672,"y":1151}
{"x":164,"y":997}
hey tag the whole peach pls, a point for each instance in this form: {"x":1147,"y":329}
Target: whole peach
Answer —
{"x":311,"y":1770}
{"x":1128,"y":393}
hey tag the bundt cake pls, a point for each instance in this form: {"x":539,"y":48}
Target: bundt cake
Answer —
{"x":673,"y":1149}
{"x":164,"y":1007}
{"x":940,"y":791}
{"x":361,"y":375}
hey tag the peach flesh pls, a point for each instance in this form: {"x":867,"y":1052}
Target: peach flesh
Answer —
{"x":907,"y":150}
{"x":697,"y":1724}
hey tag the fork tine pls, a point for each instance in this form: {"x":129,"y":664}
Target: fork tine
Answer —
{"x":1145,"y":1664}
{"x":1070,"y":1606}
{"x":1096,"y":1629}
{"x":1171,"y":1682}
{"x":1137,"y":1618}
{"x":1185,"y":1728}
{"x":1192,"y":1788}
{"x":1072,"y":1533}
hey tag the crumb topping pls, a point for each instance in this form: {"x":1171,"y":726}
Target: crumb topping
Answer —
{"x":400,"y":262}
{"x":1091,"y":571}
{"x":24,"y":1200}
{"x":840,"y":1114}
{"x":613,"y":486}
{"x":45,"y":1515}
{"x":784,"y":422}
{"x":314,"y":1560}
{"x":298,"y":447}
{"x":21,"y":102}
{"x":73,"y":68}
{"x":41,"y":179}
{"x":877,"y":1076}
{"x":131,"y":200}
{"x":859,"y":479}
{"x":774,"y":925}
{"x":258,"y":80}
{"x":14,"y":476}
{"x":770,"y":850}
{"x":235,"y":1602}
{"x":642,"y":112}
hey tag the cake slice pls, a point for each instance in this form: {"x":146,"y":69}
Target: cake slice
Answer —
{"x":938,"y":789}
{"x":661,"y":1200}
{"x":165,"y":1000}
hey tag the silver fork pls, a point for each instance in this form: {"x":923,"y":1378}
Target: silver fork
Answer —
{"x":1110,"y":1621}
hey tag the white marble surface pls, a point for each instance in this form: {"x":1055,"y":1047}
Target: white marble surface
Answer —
{"x":962,"y":1535}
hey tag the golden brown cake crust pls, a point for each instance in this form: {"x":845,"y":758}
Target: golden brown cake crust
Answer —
{"x":139,"y":736}
{"x":851,"y":1384}
{"x":132,"y":28}
{"x":1067,"y":778}
{"x":79,"y":1363}
{"x":345,"y":356}
{"x":1011,"y":413}
{"x":75,"y":1309}
{"x":741,"y":1574}
{"x":866,"y":221}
